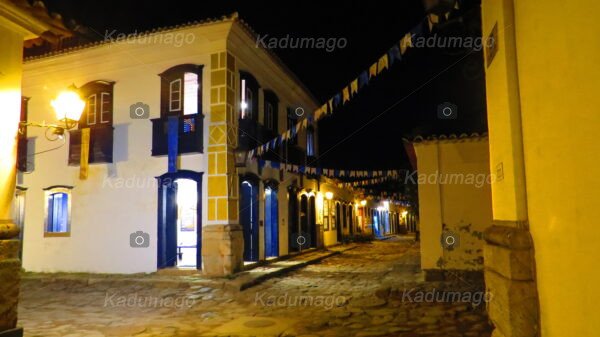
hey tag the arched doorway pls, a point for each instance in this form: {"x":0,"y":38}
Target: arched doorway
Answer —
{"x":179,"y":239}
{"x":351,"y":219}
{"x":271,"y":220}
{"x":293,"y":216}
{"x":312,"y":221}
{"x":338,"y":221}
{"x":249,"y":216}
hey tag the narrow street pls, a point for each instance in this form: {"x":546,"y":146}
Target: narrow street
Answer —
{"x":376,"y":289}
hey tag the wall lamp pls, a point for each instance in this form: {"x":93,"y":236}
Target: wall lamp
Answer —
{"x":68,"y":107}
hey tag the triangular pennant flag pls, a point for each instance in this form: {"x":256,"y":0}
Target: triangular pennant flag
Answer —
{"x":275,"y":164}
{"x":345,"y":95}
{"x":337,"y":100}
{"x":382,"y":63}
{"x":319,"y":112}
{"x":405,"y":43}
{"x":373,"y":70}
{"x":261,"y":163}
{"x":330,"y":106}
{"x":394,"y":55}
{"x":363,"y":79}
{"x":354,"y":87}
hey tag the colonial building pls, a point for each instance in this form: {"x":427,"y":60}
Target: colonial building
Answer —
{"x":455,"y":206}
{"x":111,"y":195}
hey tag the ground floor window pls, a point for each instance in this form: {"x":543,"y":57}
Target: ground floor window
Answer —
{"x":57,"y":211}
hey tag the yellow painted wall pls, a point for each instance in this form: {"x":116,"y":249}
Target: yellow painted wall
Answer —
{"x":11,"y":44}
{"x":506,"y":156}
{"x":557,"y":56}
{"x":558,"y":52}
{"x":459,"y":199}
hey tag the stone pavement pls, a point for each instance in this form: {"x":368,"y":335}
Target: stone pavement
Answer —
{"x":376,"y":289}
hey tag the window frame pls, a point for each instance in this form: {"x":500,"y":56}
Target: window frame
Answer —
{"x":248,"y":83}
{"x":87,"y":110}
{"x":271,"y":100}
{"x":97,"y":89}
{"x":310,"y":141}
{"x":177,"y":74}
{"x":179,"y":95}
{"x":49,"y":192}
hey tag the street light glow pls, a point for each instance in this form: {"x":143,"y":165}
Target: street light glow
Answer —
{"x":68,"y":105}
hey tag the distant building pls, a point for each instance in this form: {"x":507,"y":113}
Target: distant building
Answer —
{"x":455,"y":206}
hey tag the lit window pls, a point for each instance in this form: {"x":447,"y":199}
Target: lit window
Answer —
{"x":58,"y":212}
{"x":310,"y":142}
{"x":248,"y":103}
{"x":175,"y":95}
{"x":181,"y":90}
{"x":190,"y":98}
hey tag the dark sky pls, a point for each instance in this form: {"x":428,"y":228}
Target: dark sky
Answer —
{"x":400,"y":103}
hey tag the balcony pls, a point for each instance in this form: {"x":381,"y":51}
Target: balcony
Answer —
{"x":190,"y":132}
{"x":251,"y":134}
{"x":101,"y":145}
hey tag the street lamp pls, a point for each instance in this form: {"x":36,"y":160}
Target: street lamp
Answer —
{"x":241,"y":157}
{"x":328,"y":195}
{"x":68,"y":107}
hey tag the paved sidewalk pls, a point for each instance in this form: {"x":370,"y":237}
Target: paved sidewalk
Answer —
{"x":358,"y":292}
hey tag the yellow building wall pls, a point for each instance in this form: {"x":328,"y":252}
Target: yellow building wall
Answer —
{"x":554,"y":82}
{"x":454,"y":195}
{"x":558,"y":52}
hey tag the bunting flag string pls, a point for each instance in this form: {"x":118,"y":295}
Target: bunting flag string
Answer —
{"x":332,"y":173}
{"x":346,"y":94}
{"x":367,"y":182}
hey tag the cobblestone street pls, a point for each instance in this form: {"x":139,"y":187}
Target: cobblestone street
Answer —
{"x":375,"y":289}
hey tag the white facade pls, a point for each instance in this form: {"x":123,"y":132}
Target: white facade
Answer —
{"x":120,"y":198}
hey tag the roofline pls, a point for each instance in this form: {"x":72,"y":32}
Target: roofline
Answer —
{"x":275,"y":58}
{"x":191,"y":24}
{"x":23,"y":19}
{"x":233,"y":17}
{"x":450,"y":138}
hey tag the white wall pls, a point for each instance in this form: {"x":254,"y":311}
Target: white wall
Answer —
{"x":104,"y":213}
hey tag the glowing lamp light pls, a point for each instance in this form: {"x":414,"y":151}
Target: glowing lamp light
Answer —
{"x":68,"y":106}
{"x":328,"y":195}
{"x":404,"y":214}
{"x":363,"y":202}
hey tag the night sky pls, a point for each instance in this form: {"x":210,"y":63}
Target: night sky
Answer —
{"x":402,"y":102}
